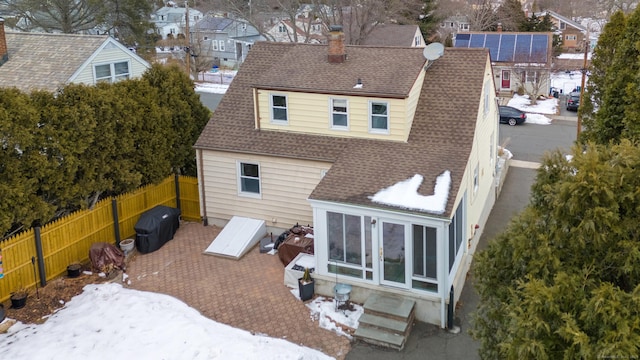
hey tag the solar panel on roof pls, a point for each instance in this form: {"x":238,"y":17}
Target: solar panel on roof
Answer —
{"x":462,"y":41}
{"x":507,"y":46}
{"x":539,"y":48}
{"x":523,"y":48}
{"x":477,"y":40}
{"x":492,"y":43}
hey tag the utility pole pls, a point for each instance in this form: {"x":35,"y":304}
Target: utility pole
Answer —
{"x":584,"y":75}
{"x":188,"y":39}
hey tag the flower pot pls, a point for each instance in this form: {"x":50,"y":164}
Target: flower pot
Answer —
{"x":127,"y":245}
{"x":306,"y":289}
{"x":73,"y":270}
{"x":18,"y":301}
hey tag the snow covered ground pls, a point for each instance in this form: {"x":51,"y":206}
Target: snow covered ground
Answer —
{"x":536,"y":114}
{"x":108,"y":321}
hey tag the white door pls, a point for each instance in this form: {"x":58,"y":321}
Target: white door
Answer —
{"x":392,"y":251}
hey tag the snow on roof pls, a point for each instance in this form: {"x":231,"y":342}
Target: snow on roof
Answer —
{"x":405,"y":194}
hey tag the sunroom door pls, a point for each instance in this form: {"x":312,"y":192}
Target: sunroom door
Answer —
{"x":392,"y":254}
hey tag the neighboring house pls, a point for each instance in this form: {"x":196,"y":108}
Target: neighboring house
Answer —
{"x":395,"y":35}
{"x":314,"y":134}
{"x":225,"y":40}
{"x":41,"y":61}
{"x":171,"y":20}
{"x":453,"y":25}
{"x":572,"y":33}
{"x":308,"y":30}
{"x":519,"y":59}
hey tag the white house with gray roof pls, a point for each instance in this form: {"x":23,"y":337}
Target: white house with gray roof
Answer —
{"x":43,"y":61}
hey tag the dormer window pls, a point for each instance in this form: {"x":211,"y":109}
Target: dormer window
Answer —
{"x":339,"y":114}
{"x":379,"y":117}
{"x":279,"y":113}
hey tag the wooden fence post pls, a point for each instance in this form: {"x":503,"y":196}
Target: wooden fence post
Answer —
{"x":40,"y":255}
{"x":116,"y":222}
{"x":177,"y":182}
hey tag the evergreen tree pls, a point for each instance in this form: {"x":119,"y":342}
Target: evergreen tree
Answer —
{"x":428,"y":20}
{"x":561,"y":282}
{"x":511,"y":15}
{"x":602,"y":109}
{"x":65,"y":151}
{"x":22,"y":167}
{"x":188,"y":115}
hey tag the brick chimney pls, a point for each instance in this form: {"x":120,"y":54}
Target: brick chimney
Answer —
{"x":337,"y":53}
{"x":499,"y":27}
{"x":4,"y":55}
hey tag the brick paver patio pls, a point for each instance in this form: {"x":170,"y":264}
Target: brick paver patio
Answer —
{"x":248,"y":293}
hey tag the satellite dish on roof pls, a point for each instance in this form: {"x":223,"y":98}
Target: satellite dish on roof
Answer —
{"x":433,"y":51}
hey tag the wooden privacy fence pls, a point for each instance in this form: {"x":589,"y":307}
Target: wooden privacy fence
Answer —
{"x":42,"y":254}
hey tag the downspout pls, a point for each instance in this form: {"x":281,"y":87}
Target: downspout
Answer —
{"x":203,"y":199}
{"x":443,"y":284}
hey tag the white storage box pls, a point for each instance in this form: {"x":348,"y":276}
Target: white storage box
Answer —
{"x":302,"y":261}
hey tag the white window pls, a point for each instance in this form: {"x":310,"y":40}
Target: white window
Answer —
{"x":532,"y":76}
{"x":214,"y":45}
{"x":350,"y":245}
{"x":570,"y":37}
{"x":379,"y":117}
{"x":563,"y":25}
{"x":464,"y":26}
{"x":425,"y":258}
{"x":339,"y":114}
{"x":249,"y":179}
{"x":279,"y":112}
{"x":205,"y":38}
{"x":450,"y":24}
{"x":112,"y":72}
{"x":172,"y":31}
{"x":417,"y":41}
{"x":282,"y":29}
{"x":221,"y":45}
{"x":456,"y":234}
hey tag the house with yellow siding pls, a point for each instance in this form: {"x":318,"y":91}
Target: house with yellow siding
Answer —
{"x":315,"y":134}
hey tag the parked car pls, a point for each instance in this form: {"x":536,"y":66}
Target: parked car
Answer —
{"x":573,"y":101}
{"x":512,"y":116}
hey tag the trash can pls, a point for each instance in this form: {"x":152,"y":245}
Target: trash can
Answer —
{"x":155,"y":227}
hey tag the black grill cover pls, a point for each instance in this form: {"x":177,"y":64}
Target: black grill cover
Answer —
{"x":155,"y":227}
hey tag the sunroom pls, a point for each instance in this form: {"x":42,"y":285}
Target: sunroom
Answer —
{"x":376,"y":250}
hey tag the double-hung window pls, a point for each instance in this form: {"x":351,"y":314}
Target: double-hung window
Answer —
{"x":379,"y":117}
{"x":339,"y":114}
{"x":221,"y":45}
{"x":249,"y":179}
{"x":112,"y":72}
{"x":279,"y":113}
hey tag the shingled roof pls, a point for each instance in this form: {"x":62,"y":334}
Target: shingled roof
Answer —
{"x":441,"y":137}
{"x":392,"y":35}
{"x":45,"y":61}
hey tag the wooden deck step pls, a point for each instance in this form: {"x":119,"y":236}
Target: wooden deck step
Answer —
{"x":380,"y":337}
